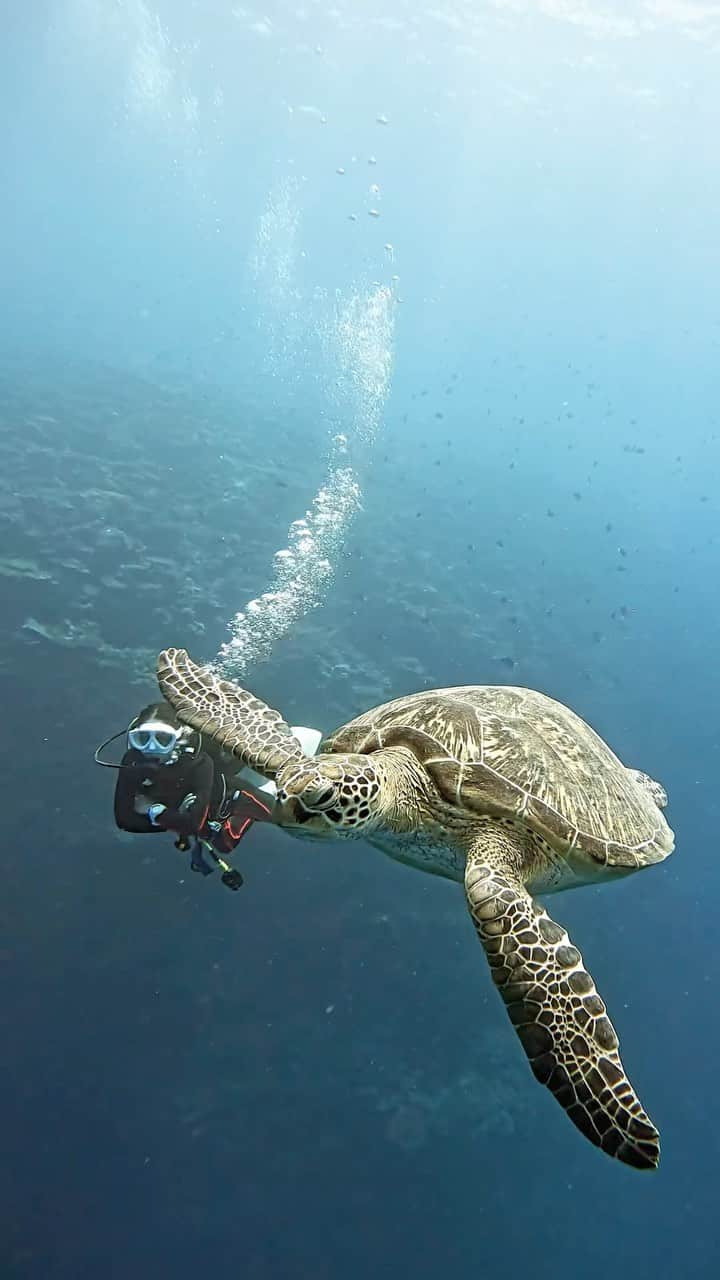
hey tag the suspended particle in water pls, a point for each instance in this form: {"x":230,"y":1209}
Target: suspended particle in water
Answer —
{"x":382,"y":119}
{"x":390,"y":253}
{"x":340,"y":171}
{"x":373,"y":213}
{"x":374,"y":188}
{"x":372,"y":160}
{"x":352,"y":217}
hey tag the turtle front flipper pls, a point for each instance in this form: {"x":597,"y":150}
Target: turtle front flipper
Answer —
{"x":232,"y":717}
{"x":553,"y":1004}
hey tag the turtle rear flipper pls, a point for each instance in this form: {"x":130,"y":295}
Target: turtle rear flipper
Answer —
{"x":234,"y":718}
{"x":553,"y":1004}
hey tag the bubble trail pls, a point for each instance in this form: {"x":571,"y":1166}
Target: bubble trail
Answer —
{"x":303,"y":570}
{"x":357,"y":340}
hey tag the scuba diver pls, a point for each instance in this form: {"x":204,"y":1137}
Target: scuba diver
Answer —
{"x":169,"y":779}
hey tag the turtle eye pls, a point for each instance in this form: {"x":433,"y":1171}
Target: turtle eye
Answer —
{"x":320,"y":797}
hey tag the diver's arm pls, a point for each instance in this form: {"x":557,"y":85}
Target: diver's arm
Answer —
{"x":127,"y":817}
{"x":194,"y":802}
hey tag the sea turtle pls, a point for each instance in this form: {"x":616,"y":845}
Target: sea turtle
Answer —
{"x":501,"y":788}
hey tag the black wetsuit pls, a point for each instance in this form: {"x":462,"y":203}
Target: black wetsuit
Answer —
{"x":169,"y":784}
{"x":205,"y":805}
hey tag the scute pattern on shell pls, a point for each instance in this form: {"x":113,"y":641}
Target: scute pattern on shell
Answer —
{"x":513,"y":752}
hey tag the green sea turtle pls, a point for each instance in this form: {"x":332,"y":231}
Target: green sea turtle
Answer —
{"x":497,"y":787}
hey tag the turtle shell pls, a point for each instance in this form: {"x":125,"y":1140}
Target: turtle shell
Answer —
{"x":514,"y":753}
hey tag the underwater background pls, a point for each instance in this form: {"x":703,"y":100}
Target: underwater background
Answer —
{"x":440,"y":283}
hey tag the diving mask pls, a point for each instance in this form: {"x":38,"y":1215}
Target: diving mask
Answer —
{"x":154,"y":739}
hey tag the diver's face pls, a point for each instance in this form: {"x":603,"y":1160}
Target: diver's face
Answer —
{"x":155,"y":740}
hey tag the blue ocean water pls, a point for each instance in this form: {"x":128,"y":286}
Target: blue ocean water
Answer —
{"x":439,"y":282}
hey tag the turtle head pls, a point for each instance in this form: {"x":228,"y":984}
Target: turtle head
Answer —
{"x":329,"y":795}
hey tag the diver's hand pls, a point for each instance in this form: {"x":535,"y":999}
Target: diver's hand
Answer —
{"x":154,"y":812}
{"x":145,"y":806}
{"x":186,"y":805}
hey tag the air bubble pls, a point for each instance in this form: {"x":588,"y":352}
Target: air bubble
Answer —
{"x":360,"y":339}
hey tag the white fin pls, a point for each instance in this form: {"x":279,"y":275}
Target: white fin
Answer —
{"x":309,"y":740}
{"x":258,"y":782}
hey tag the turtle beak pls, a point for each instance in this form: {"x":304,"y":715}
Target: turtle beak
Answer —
{"x":291,"y":813}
